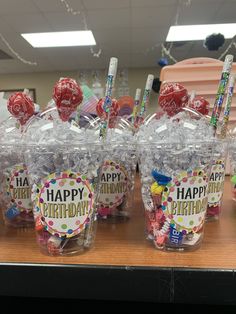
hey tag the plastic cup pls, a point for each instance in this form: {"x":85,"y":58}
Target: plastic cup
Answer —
{"x":232,"y":159}
{"x":216,"y":182}
{"x":174,"y":174}
{"x":118,"y":173}
{"x":15,"y":190}
{"x":63,"y":160}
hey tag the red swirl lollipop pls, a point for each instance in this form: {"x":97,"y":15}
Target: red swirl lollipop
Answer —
{"x":67,"y":95}
{"x":172,"y":98}
{"x":200,"y":104}
{"x":113,"y":110}
{"x":21,"y":106}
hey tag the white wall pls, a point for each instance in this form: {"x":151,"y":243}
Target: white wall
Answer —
{"x":44,"y":82}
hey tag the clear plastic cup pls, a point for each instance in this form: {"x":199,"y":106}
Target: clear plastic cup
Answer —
{"x":232,"y":159}
{"x":15,"y":190}
{"x":118,"y":173}
{"x":216,"y":182}
{"x":174,"y":176}
{"x":63,"y":161}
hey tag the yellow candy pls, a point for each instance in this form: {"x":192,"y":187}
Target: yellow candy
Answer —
{"x":156,"y":188}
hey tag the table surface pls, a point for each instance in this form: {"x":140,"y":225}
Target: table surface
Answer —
{"x":124,"y":244}
{"x":123,"y":265}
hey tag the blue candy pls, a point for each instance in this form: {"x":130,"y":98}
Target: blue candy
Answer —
{"x":12,"y":212}
{"x":160,"y":178}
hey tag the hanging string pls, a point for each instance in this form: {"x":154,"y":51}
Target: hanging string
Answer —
{"x":167,"y":52}
{"x":70,"y":9}
{"x":232,"y":44}
{"x":82,"y":14}
{"x":95,"y":54}
{"x":16,"y":54}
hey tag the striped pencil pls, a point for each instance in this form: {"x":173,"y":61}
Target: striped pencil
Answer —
{"x":136,"y":104}
{"x":232,"y":79}
{"x":108,"y":95}
{"x":221,"y":90}
{"x":146,"y":96}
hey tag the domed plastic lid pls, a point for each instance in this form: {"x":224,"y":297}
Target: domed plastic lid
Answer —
{"x":119,"y":131}
{"x":188,"y":126}
{"x":47,"y":128}
{"x":10,"y":132}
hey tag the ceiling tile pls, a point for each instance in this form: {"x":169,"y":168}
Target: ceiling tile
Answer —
{"x":152,"y":17}
{"x":57,"y":5}
{"x":27,"y":23}
{"x":109,"y":18}
{"x":152,"y":3}
{"x":149,"y":34}
{"x":199,"y":12}
{"x":106,"y":4}
{"x":64,"y":22}
{"x":225,"y":14}
{"x":122,"y":35}
{"x":17,"y":7}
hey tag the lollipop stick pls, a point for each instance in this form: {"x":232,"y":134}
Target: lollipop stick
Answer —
{"x":228,"y":105}
{"x":146,"y":96}
{"x":136,"y":104}
{"x":108,"y":99}
{"x":221,"y":90}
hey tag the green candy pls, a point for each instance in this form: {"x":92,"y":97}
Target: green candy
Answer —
{"x":233,"y":179}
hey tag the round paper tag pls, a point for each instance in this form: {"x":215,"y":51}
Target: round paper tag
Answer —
{"x":184,"y":201}
{"x":64,"y":203}
{"x":19,"y":189}
{"x":216,"y":183}
{"x":114,"y":184}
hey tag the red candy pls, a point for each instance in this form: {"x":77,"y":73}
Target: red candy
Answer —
{"x":68,"y":95}
{"x":200,"y":104}
{"x":113,"y":110}
{"x":21,"y":106}
{"x":173,"y":97}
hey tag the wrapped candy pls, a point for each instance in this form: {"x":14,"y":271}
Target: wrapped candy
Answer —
{"x":21,"y":107}
{"x":103,"y":114}
{"x":175,"y":162}
{"x":14,"y":182}
{"x":63,"y":160}
{"x":173,"y":97}
{"x":200,"y":104}
{"x":68,"y":95}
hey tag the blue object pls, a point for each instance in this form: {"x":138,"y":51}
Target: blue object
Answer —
{"x":12,"y":212}
{"x":161,"y":179}
{"x":176,"y":237}
{"x":163,"y":62}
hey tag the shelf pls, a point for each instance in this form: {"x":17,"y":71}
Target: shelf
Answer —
{"x":124,"y":266}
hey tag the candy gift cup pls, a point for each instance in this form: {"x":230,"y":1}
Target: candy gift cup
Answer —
{"x":15,"y":191}
{"x":232,"y":158}
{"x":216,"y":181}
{"x":174,"y":174}
{"x":63,"y":160}
{"x":118,"y":173}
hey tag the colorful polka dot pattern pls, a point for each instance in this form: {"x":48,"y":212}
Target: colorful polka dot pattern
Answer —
{"x":19,"y":172}
{"x":111,"y":200}
{"x":185,"y":179}
{"x":68,"y":180}
{"x":216,"y":186}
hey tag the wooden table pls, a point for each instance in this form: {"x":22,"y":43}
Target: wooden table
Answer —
{"x":124,"y":266}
